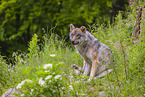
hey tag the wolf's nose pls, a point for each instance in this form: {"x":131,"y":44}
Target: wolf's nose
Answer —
{"x":72,"y":42}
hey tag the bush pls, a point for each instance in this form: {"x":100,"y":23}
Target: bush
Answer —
{"x":128,"y":56}
{"x":47,"y":81}
{"x":4,"y":73}
{"x":127,"y":79}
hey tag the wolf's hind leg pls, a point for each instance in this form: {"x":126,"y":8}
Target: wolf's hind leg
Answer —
{"x":104,"y":73}
{"x":77,"y":69}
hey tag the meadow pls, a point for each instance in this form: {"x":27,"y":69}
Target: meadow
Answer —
{"x":48,"y":66}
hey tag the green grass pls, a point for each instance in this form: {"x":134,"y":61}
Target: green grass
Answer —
{"x":127,"y":79}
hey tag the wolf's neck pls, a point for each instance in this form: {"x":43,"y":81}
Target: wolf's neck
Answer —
{"x":82,"y":48}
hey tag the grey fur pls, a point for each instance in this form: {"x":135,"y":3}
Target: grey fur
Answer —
{"x":86,"y":44}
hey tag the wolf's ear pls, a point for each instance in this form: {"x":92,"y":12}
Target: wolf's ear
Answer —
{"x":71,"y":27}
{"x":83,"y":28}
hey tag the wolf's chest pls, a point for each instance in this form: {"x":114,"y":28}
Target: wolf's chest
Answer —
{"x":88,"y":57}
{"x":88,"y":54}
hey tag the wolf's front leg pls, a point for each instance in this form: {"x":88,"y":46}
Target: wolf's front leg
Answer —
{"x":84,"y":66}
{"x":87,"y":69}
{"x":93,"y":69}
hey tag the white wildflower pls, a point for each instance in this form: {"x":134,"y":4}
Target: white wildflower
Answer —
{"x":70,"y":87}
{"x":63,"y":88}
{"x":57,"y":76}
{"x":49,"y":81}
{"x":48,"y":77}
{"x":77,"y":93}
{"x":41,"y":82}
{"x":22,"y":83}
{"x":21,"y":60}
{"x":102,"y":93}
{"x":31,"y":91}
{"x":52,"y":55}
{"x":22,"y":95}
{"x":47,"y":71}
{"x":47,"y":65}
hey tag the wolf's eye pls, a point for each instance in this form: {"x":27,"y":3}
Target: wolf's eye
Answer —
{"x":78,"y":36}
{"x":72,"y":34}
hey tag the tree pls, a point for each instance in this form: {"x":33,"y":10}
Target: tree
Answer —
{"x":20,"y":19}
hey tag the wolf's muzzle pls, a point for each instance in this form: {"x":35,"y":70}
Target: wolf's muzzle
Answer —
{"x":74,"y":42}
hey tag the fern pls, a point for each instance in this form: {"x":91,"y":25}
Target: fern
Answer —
{"x":33,"y":48}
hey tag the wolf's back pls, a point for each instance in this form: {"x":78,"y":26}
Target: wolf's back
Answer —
{"x":105,"y":57}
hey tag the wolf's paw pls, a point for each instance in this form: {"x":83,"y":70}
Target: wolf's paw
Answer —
{"x":87,"y":81}
{"x":75,"y":66}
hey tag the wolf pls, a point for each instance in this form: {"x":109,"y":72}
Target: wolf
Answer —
{"x":97,"y":56}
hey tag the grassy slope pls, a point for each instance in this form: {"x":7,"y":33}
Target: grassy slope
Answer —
{"x":127,"y":79}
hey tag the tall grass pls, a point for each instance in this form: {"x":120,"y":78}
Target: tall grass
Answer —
{"x":128,"y":57}
{"x":127,"y":79}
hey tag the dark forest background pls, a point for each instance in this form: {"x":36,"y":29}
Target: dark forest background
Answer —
{"x":35,"y":47}
{"x":20,"y":19}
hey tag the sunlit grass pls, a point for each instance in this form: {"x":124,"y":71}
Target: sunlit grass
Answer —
{"x":127,"y":79}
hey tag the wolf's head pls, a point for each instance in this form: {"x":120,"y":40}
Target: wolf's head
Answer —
{"x":77,"y":35}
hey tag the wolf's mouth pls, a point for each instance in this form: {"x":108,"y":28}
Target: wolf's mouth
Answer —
{"x":74,"y":43}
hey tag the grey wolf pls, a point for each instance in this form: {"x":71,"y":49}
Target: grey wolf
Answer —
{"x":97,"y":56}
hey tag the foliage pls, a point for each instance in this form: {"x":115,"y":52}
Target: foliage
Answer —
{"x":48,"y":81}
{"x":127,"y":79}
{"x":4,"y":72}
{"x":128,"y":57}
{"x":20,"y":19}
{"x":33,"y":48}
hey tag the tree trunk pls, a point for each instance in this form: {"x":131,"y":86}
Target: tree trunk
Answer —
{"x":138,"y":28}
